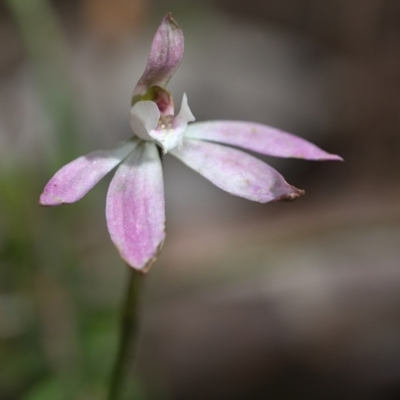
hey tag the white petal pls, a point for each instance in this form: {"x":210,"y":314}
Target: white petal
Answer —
{"x":169,"y":134}
{"x":185,"y":114}
{"x":144,"y":116}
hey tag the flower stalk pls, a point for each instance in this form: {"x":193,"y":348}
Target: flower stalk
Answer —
{"x":122,"y":382}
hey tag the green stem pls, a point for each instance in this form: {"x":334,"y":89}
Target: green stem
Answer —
{"x":122,"y":380}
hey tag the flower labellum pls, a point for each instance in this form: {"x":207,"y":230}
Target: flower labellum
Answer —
{"x":135,"y":209}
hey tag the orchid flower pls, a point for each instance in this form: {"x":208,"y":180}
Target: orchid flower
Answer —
{"x":135,"y":209}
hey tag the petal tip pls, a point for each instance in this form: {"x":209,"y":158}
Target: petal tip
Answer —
{"x":147,"y":264}
{"x":335,"y":157}
{"x":291,"y":196}
{"x":327,"y":157}
{"x":46,"y":200}
{"x":169,"y":19}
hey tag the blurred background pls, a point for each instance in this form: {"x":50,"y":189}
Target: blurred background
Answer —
{"x":247,"y":301}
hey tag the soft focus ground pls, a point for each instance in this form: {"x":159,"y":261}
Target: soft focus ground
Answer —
{"x":247,"y":301}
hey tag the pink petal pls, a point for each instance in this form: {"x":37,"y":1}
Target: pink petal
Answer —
{"x":165,"y":56}
{"x":75,"y":179}
{"x":236,"y":172}
{"x":259,"y":138}
{"x":135,"y":207}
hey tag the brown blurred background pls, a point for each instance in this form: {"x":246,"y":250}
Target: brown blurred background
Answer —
{"x":247,"y":301}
